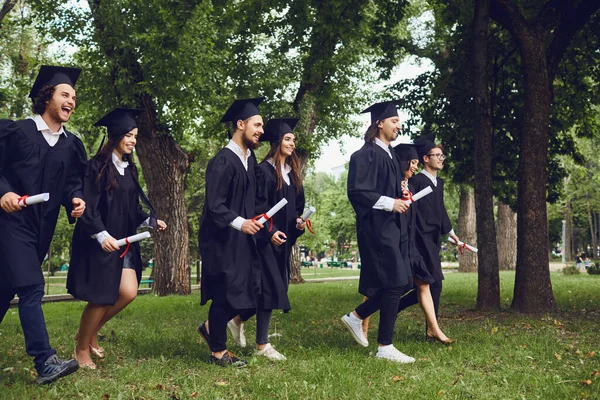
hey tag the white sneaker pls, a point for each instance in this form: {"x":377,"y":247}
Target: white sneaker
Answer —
{"x":237,"y":331}
{"x":270,"y":353}
{"x":354,"y":325}
{"x":393,"y":354}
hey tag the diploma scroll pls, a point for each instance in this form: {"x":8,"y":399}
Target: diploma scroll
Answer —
{"x":38,"y":198}
{"x":466,"y":246}
{"x":309,"y":211}
{"x":269,"y":214}
{"x":419,"y":195}
{"x":133,"y":239}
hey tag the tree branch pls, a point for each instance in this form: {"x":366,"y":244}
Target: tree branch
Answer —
{"x":6,"y":8}
{"x":507,"y":14}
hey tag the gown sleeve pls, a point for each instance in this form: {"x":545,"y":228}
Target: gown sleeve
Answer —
{"x":7,"y":127}
{"x":74,"y":183}
{"x":362,"y":180}
{"x":300,"y":201}
{"x":266,"y":189}
{"x":446,"y":224}
{"x":218,"y":180}
{"x":91,"y":219}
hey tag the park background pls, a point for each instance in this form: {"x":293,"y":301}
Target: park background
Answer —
{"x":510,"y":88}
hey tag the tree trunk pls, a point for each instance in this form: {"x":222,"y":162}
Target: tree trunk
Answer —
{"x":533,"y":288}
{"x":6,"y":8}
{"x":506,"y":234}
{"x":165,"y":166}
{"x":467,"y":262}
{"x":591,"y":220}
{"x":295,"y":275}
{"x":488,"y":281}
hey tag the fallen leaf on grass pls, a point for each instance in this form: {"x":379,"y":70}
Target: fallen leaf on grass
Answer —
{"x":441,"y":393}
{"x":397,"y":378}
{"x":221,"y":382}
{"x":159,"y":387}
{"x":195,"y":394}
{"x":494,"y":330}
{"x":558,"y":323}
{"x":586,"y":382}
{"x":596,"y":373}
{"x":558,"y":356}
{"x":590,"y":354}
{"x":106,"y":397}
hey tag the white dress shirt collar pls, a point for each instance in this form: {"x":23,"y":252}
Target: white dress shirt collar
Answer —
{"x":237,"y":150}
{"x":120,"y":165}
{"x":432,"y":178}
{"x":50,"y":136}
{"x":379,"y":143}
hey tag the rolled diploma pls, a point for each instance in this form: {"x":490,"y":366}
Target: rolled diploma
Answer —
{"x":134,"y":238}
{"x":273,"y":210}
{"x":38,"y":198}
{"x":468,"y":247}
{"x":419,"y":195}
{"x":310,"y":211}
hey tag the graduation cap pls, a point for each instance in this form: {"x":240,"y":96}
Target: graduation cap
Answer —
{"x":381,"y":111}
{"x":406,"y":152}
{"x":276,"y":128}
{"x":119,"y":121}
{"x":52,"y":76}
{"x":424,"y":144}
{"x":242,"y":109}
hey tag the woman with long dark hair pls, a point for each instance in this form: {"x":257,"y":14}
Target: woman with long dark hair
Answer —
{"x":100,"y":272}
{"x":278,"y":176}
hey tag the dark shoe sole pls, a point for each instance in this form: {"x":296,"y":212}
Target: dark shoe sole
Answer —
{"x":237,"y":364}
{"x":69,"y":369}
{"x":203,"y":333}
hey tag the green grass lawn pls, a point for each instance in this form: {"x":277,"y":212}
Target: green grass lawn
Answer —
{"x":154,"y":352}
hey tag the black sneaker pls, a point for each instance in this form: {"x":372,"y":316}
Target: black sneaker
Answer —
{"x":55,"y":368}
{"x":228,"y":359}
{"x":204,"y":333}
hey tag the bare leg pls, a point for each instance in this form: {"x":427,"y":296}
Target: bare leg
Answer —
{"x":90,"y":318}
{"x":127,"y":293}
{"x":365,"y":323}
{"x":426,"y":303}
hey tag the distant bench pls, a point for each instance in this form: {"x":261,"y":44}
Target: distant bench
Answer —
{"x":306,"y":263}
{"x":149,"y":282}
{"x":337,"y":264}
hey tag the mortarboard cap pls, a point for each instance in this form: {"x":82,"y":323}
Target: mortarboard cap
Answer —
{"x":381,"y":111}
{"x":276,"y":128}
{"x":424,"y":144}
{"x":51,"y":75}
{"x":119,"y":121}
{"x":406,"y":152}
{"x":242,"y":109}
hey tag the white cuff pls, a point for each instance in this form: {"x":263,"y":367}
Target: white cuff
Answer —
{"x":237,"y":223}
{"x":451,"y":232}
{"x":384,"y":203}
{"x":101,"y":236}
{"x":145,"y":224}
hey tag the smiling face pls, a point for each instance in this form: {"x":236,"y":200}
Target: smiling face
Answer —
{"x":388,"y":129}
{"x":288,"y":145}
{"x":252,"y":129}
{"x":434,"y":159}
{"x":412,"y":168}
{"x":61,"y":105}
{"x":127,"y":143}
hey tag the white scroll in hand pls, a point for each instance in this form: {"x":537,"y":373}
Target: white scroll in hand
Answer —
{"x":273,"y":211}
{"x":309,"y":211}
{"x":466,"y":246}
{"x":29,"y":200}
{"x":419,"y":195}
{"x":134,"y":238}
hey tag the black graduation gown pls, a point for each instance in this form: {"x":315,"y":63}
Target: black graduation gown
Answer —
{"x":94,"y":274}
{"x":417,"y":265}
{"x":373,"y":174}
{"x":230,"y":266}
{"x":29,"y":165}
{"x":275,"y":260}
{"x":432,"y":222}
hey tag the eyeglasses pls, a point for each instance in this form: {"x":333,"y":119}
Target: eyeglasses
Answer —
{"x":440,"y":156}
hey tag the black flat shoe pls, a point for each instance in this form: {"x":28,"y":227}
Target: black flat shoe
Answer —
{"x":204,"y":333}
{"x":55,"y":368}
{"x":434,"y":339}
{"x":228,"y":359}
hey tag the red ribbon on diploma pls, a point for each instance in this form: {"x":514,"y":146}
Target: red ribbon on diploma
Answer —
{"x":126,"y":248}
{"x":269,"y":219}
{"x":461,"y":247}
{"x":309,"y":225}
{"x":23,"y":198}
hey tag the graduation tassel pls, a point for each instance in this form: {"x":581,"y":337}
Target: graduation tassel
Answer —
{"x":101,"y":144}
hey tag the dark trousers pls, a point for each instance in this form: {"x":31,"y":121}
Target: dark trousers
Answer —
{"x":263,"y":321}
{"x":386,"y":301}
{"x":33,"y":324}
{"x":219,"y":315}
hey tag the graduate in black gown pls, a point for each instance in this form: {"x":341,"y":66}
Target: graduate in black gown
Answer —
{"x":374,"y":192}
{"x":38,"y":155}
{"x":408,"y":160}
{"x":100,"y":272}
{"x":230,"y":265}
{"x":278,"y":176}
{"x":431,"y":221}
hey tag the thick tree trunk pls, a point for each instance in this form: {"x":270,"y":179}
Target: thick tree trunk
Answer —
{"x":533,"y":288}
{"x":295,"y":275}
{"x":591,"y":221}
{"x":467,"y":262}
{"x":488,"y":288}
{"x":165,"y":166}
{"x":506,"y":234}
